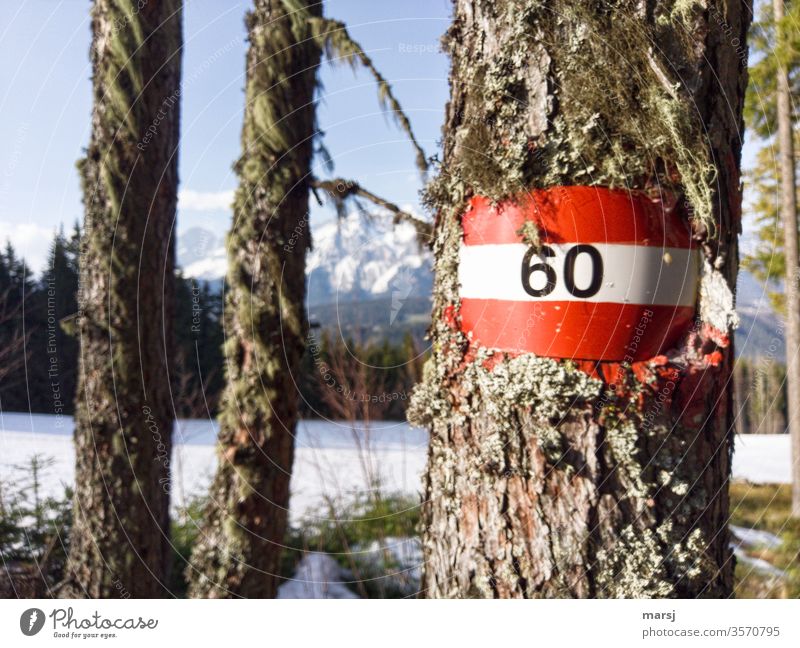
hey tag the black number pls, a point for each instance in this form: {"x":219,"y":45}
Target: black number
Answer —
{"x":546,"y":252}
{"x":597,"y":270}
{"x":528,"y":270}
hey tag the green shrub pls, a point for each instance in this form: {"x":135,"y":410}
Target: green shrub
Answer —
{"x":34,"y":531}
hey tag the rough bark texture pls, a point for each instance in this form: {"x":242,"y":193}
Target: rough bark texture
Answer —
{"x":265,"y":327}
{"x":551,"y":478}
{"x":120,"y":540}
{"x":788,"y":211}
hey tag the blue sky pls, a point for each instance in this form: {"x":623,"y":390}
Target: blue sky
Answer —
{"x":45,"y":101}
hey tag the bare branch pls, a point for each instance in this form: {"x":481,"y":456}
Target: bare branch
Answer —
{"x":340,"y":189}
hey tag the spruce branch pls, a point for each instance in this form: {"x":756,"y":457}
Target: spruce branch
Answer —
{"x":339,"y":190}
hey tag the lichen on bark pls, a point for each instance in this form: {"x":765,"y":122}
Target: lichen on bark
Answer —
{"x":552,"y":478}
{"x":238,"y":551}
{"x":123,"y":420}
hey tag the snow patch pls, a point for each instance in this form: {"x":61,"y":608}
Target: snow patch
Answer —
{"x":317,"y":576}
{"x":758,"y":564}
{"x":754,"y":538}
{"x":762,"y":458}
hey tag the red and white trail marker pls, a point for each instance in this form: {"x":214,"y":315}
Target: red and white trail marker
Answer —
{"x":615,"y":278}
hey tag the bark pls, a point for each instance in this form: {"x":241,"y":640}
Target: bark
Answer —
{"x":120,"y":540}
{"x":265,"y":325}
{"x":543,"y":479}
{"x":788,"y":212}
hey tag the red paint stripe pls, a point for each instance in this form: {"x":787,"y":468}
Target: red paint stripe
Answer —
{"x":596,"y":331}
{"x":578,"y":215}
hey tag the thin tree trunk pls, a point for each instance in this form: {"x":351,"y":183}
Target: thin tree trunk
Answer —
{"x":788,"y":211}
{"x":542,"y":480}
{"x":120,"y":540}
{"x":243,"y":528}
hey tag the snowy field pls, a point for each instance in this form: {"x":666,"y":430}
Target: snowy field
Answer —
{"x":332,"y":459}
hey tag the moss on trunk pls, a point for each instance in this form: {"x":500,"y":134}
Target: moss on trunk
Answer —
{"x":120,"y":539}
{"x":242,"y":532}
{"x":544,"y":480}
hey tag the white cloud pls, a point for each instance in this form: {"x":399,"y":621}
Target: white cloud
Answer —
{"x":189,"y":199}
{"x":213,"y":266}
{"x":31,"y":242}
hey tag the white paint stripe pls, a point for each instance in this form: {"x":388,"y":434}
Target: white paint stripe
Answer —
{"x":634,"y":274}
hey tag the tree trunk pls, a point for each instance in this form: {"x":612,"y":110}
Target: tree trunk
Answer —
{"x":557,"y":478}
{"x":788,"y":211}
{"x":120,"y":542}
{"x":243,"y":529}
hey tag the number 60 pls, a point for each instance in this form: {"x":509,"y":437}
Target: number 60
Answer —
{"x":547,"y":252}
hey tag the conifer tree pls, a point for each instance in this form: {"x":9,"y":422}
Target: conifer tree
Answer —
{"x":265,"y":327}
{"x":772,"y":115}
{"x":543,"y":480}
{"x":123,"y":421}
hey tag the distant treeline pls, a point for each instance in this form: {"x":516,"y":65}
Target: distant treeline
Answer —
{"x":760,"y":396}
{"x":39,"y":349}
{"x":39,"y":359}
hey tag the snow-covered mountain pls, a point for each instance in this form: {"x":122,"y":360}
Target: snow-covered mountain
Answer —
{"x":361,"y":259}
{"x":201,"y":254}
{"x":353,"y":259}
{"x":760,"y":331}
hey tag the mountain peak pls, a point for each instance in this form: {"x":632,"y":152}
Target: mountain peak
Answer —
{"x":361,"y":257}
{"x":354,"y":258}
